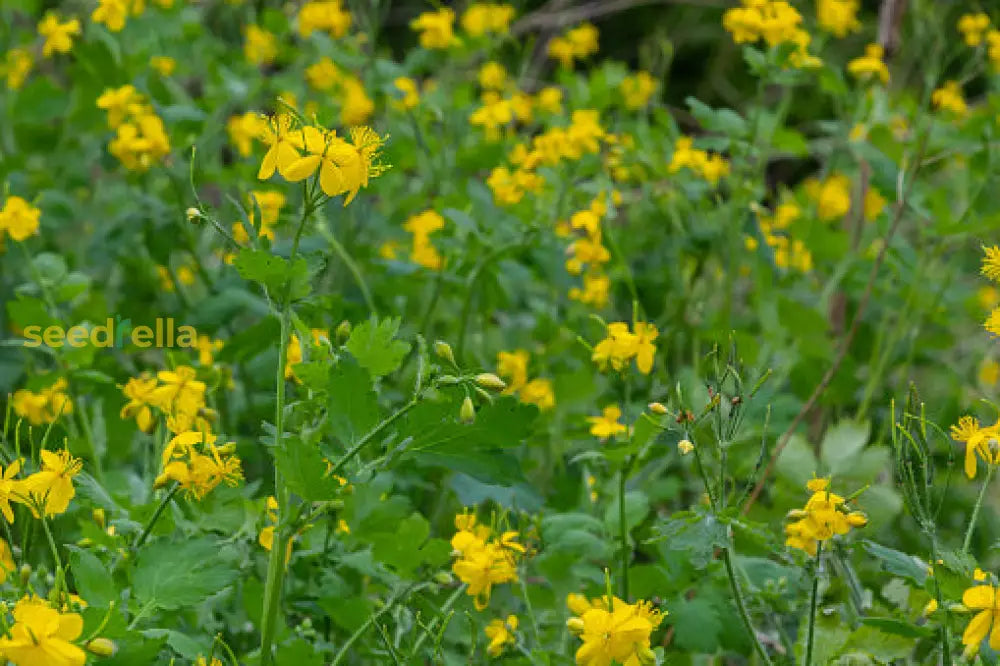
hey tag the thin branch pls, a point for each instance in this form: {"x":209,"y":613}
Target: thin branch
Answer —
{"x":547,"y":19}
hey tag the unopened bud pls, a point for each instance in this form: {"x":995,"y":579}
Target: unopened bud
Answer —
{"x":25,"y":574}
{"x":343,"y":331}
{"x":857,"y":519}
{"x":685,"y":446}
{"x":443,"y":578}
{"x":796,"y":514}
{"x":98,"y":515}
{"x":467,"y":413}
{"x":102,"y":647}
{"x":193,"y":214}
{"x":657,"y":408}
{"x":930,"y":608}
{"x":85,"y":542}
{"x":575,"y":626}
{"x":208,"y":414}
{"x":490,"y":381}
{"x":447,"y":380}
{"x":443,"y":350}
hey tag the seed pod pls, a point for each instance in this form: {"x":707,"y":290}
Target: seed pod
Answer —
{"x":490,"y":381}
{"x":443,"y":350}
{"x":467,"y":413}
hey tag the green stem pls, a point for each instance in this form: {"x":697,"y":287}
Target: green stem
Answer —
{"x":449,"y":602}
{"x":156,"y":516}
{"x":734,"y":585}
{"x":371,"y":435}
{"x":945,"y":637}
{"x":352,"y":266}
{"x":60,"y":580}
{"x":623,"y":531}
{"x":975,"y":510}
{"x":372,"y":619}
{"x":275,"y":562}
{"x":813,"y":601}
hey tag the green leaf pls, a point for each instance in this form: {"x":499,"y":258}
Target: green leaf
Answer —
{"x":92,"y":578}
{"x":274,"y":272}
{"x":401,"y":549}
{"x":372,"y":343}
{"x":636,"y":510}
{"x":696,"y":625}
{"x":842,"y":443}
{"x":883,"y":646}
{"x":353,"y":407}
{"x":724,"y":121}
{"x":898,"y":563}
{"x":304,"y":469}
{"x":174,"y":575}
{"x":890,"y":625}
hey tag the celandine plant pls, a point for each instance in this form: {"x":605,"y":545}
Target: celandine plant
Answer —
{"x":602,"y":333}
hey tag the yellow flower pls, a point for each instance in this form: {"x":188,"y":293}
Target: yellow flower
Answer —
{"x":870,"y":65}
{"x":192,"y":460}
{"x":436,"y":29}
{"x":294,"y":354}
{"x":45,"y":406}
{"x":408,"y":88}
{"x":549,"y":99}
{"x":481,"y":18}
{"x":824,"y":516}
{"x":685,"y":446}
{"x":19,"y":219}
{"x":118,"y":102}
{"x":355,"y":106}
{"x":949,"y":97}
{"x":139,"y":391}
{"x":595,"y":289}
{"x":620,"y":346}
{"x":575,"y":44}
{"x":10,"y":489}
{"x":482,"y":559}
{"x":243,"y":129}
{"x":538,"y":392}
{"x":606,"y":425}
{"x":51,"y":489}
{"x":42,"y":636}
{"x":991,"y":263}
{"x":989,"y":372}
{"x":164,"y":65}
{"x":973,"y":27}
{"x":500,"y":633}
{"x":613,"y":631}
{"x":207,"y":348}
{"x":58,"y":36}
{"x":986,"y":622}
{"x":111,"y":13}
{"x":344,"y":167}
{"x":283,"y":144}
{"x":203,"y":661}
{"x":980,"y":440}
{"x":710,"y":167}
{"x":513,"y":367}
{"x":832,"y":196}
{"x":492,"y":76}
{"x":492,"y":115}
{"x":874,"y":203}
{"x":7,"y":565}
{"x":17,"y":63}
{"x":838,"y":17}
{"x":260,"y":47}
{"x":323,"y":75}
{"x":180,"y":393}
{"x":329,"y":17}
{"x":637,"y":88}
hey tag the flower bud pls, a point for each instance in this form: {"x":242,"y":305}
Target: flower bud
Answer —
{"x":796,"y":514}
{"x":657,"y":408}
{"x":857,"y":519}
{"x":443,"y":350}
{"x":685,"y":446}
{"x":490,"y":381}
{"x":575,"y":626}
{"x":467,"y":413}
{"x":447,"y":380}
{"x":443,"y":578}
{"x":193,"y":214}
{"x":930,"y":608}
{"x":25,"y":574}
{"x":98,"y":515}
{"x":343,"y":331}
{"x":102,"y":647}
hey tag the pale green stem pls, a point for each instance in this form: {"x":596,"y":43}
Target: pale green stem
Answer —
{"x":813,"y":602}
{"x":974,"y":518}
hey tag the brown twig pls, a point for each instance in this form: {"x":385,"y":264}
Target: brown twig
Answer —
{"x":901,"y":198}
{"x":547,"y":18}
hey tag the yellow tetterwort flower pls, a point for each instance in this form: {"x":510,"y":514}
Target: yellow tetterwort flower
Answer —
{"x":949,"y":98}
{"x":483,"y":558}
{"x":832,"y":196}
{"x":260,"y":47}
{"x":575,"y":44}
{"x":58,"y":35}
{"x":621,"y":346}
{"x":139,"y":390}
{"x":973,"y":27}
{"x":838,"y":17}
{"x":612,"y":630}
{"x":329,"y":17}
{"x":51,"y":488}
{"x":986,"y":622}
{"x":42,"y":636}
{"x":637,"y":89}
{"x":18,"y":219}
{"x":606,"y":425}
{"x":421,"y":226}
{"x":15,"y":68}
{"x":980,"y":442}
{"x":112,"y":13}
{"x":46,"y":406}
{"x":481,"y":18}
{"x":991,"y":269}
{"x":500,"y":633}
{"x":870,"y":65}
{"x":436,"y":29}
{"x":192,"y":460}
{"x":824,"y":516}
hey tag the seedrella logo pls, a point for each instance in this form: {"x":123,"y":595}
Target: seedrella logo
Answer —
{"x":115,"y":333}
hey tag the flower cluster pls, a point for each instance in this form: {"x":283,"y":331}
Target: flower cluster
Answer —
{"x":976,"y":29}
{"x":484,"y":559}
{"x":637,"y":89}
{"x":824,"y":515}
{"x":16,"y":66}
{"x":18,"y":219}
{"x":45,"y":406}
{"x":192,"y":460}
{"x":606,"y":425}
{"x":501,"y":633}
{"x":437,"y":29}
{"x":482,"y":18}
{"x":586,"y":255}
{"x":574,"y":44}
{"x":621,"y":346}
{"x":776,"y":22}
{"x":832,"y":196}
{"x":838,"y":17}
{"x":513,"y":367}
{"x":949,"y":98}
{"x":298,"y":152}
{"x":710,"y":167}
{"x":612,"y":630}
{"x":871,"y":65}
{"x":178,"y":394}
{"x":991,"y":269}
{"x":788,"y":252}
{"x":141,"y":139}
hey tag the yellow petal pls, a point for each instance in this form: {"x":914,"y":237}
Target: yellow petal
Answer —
{"x":980,"y":596}
{"x":302,"y":168}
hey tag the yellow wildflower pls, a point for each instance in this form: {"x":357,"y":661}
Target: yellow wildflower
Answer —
{"x":838,"y":17}
{"x":51,"y":488}
{"x":260,"y":47}
{"x":42,"y":636}
{"x":949,"y":98}
{"x":436,"y":29}
{"x":45,"y":406}
{"x":481,"y":18}
{"x":243,"y":129}
{"x":606,"y":425}
{"x":492,"y":76}
{"x":17,"y":63}
{"x":500,"y":633}
{"x":986,"y":622}
{"x":870,"y":65}
{"x":192,"y":460}
{"x":139,"y":391}
{"x":58,"y":35}
{"x":164,"y":65}
{"x":637,"y":89}
{"x":329,"y":17}
{"x":410,"y":96}
{"x":973,"y":27}
{"x":18,"y":219}
{"x":613,"y":631}
{"x":111,"y":13}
